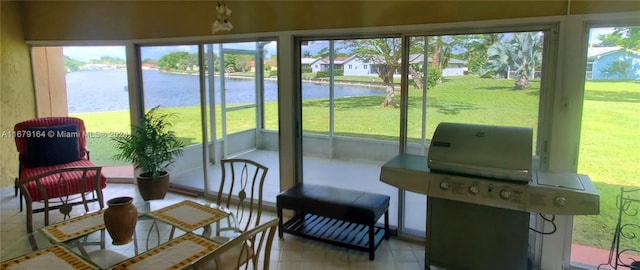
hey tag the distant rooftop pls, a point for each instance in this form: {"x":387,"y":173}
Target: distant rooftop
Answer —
{"x":596,"y":51}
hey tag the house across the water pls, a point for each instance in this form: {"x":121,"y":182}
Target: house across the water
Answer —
{"x":612,"y":63}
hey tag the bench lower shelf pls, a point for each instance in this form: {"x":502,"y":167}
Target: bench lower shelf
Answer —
{"x":334,"y":231}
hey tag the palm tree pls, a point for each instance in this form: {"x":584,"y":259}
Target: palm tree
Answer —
{"x":498,"y":60}
{"x":522,"y":53}
{"x":528,"y":56}
{"x":476,"y":47}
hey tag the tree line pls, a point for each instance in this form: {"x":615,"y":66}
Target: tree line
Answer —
{"x":71,"y":64}
{"x":182,"y":61}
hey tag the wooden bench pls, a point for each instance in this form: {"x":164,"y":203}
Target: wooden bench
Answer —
{"x":342,"y":217}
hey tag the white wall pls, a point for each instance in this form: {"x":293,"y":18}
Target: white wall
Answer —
{"x":357,"y":68}
{"x":453,"y":72}
{"x":318,"y":65}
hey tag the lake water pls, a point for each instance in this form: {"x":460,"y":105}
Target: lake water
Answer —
{"x":96,"y":91}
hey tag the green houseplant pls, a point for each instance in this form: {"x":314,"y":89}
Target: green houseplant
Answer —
{"x":151,"y":147}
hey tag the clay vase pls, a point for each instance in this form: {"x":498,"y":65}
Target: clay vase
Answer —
{"x":120,"y":219}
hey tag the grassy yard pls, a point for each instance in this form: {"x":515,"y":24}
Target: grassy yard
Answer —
{"x":609,"y":154}
{"x":610,"y":141}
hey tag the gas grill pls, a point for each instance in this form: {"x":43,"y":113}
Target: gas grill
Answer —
{"x":481,"y":190}
{"x":480,"y":150}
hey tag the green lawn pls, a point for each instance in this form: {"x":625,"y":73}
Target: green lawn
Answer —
{"x":610,"y":155}
{"x":610,"y":142}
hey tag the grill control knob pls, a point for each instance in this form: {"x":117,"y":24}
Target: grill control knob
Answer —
{"x":444,"y":185}
{"x":505,"y":194}
{"x":474,"y":189}
{"x":559,"y":201}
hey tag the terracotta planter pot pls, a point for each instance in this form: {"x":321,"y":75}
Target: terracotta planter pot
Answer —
{"x":120,"y":219}
{"x":153,"y":189}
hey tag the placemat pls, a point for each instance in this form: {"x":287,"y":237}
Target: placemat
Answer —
{"x":188,"y":215}
{"x":55,"y":257}
{"x":178,"y":253}
{"x":75,"y":227}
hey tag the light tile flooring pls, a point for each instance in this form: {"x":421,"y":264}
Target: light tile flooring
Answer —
{"x":343,"y":173}
{"x":289,"y":253}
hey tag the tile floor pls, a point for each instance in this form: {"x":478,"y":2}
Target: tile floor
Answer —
{"x":289,"y":253}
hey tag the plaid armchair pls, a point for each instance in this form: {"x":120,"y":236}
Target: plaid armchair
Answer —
{"x":53,"y":143}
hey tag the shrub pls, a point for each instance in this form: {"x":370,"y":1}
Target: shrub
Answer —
{"x":322,"y":74}
{"x":433,"y":77}
{"x":325,"y":73}
{"x":306,"y":70}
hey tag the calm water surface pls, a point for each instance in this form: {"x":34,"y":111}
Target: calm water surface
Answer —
{"x":96,"y":91}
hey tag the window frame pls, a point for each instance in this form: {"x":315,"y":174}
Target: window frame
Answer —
{"x":548,"y":82}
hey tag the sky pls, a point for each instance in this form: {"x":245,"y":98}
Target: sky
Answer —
{"x":596,"y":32}
{"x":86,"y":53}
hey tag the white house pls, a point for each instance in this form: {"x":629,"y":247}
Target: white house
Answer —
{"x":456,"y":67}
{"x":354,"y":66}
{"x":316,"y":64}
{"x":600,"y":59}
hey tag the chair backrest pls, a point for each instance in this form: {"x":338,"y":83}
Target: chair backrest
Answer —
{"x":63,"y":179}
{"x":252,"y":246}
{"x":241,"y":189}
{"x":22,"y":131}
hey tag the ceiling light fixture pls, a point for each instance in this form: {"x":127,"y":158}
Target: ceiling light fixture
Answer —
{"x":221,"y":23}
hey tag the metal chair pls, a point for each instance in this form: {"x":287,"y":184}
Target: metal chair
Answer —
{"x":61,"y":180}
{"x":249,"y":248}
{"x":241,"y":189}
{"x":626,"y":232}
{"x":89,"y":176}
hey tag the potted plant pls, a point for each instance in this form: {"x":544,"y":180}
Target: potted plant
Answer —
{"x":151,"y":147}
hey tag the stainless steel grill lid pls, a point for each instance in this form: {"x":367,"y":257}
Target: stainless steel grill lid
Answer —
{"x":481,"y":150}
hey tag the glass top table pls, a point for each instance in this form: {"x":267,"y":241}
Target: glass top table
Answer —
{"x":168,"y":233}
